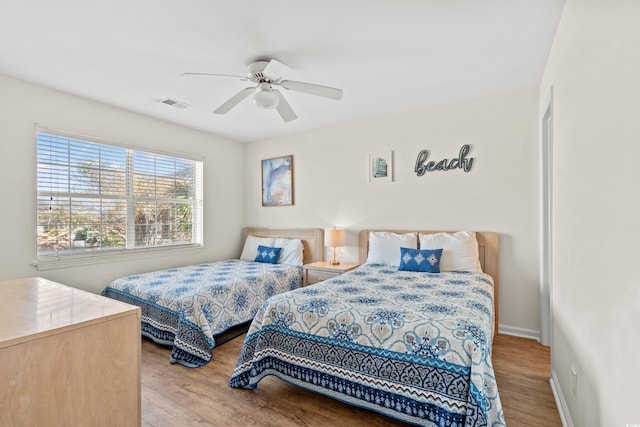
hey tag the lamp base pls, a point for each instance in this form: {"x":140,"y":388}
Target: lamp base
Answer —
{"x":334,"y":263}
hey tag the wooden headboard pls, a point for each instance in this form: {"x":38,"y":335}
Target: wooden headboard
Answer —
{"x":488,"y":249}
{"x":312,"y":239}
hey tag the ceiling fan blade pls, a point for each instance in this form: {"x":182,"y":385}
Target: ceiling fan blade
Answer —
{"x":284,"y":109}
{"x":275,"y":69}
{"x":244,"y":78}
{"x":326,"y":91}
{"x":234,"y":100}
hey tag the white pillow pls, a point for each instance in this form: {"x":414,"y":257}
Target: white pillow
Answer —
{"x":459,"y":250}
{"x":250,"y":250}
{"x":291,"y":252}
{"x":384,"y":247}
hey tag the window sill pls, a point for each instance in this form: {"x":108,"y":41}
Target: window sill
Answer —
{"x":65,"y":261}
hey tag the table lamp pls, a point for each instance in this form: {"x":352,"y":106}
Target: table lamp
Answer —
{"x":334,"y":238}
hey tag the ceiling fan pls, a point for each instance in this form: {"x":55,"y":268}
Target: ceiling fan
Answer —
{"x":264,"y":94}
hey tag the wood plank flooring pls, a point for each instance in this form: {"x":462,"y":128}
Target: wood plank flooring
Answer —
{"x":175,"y":396}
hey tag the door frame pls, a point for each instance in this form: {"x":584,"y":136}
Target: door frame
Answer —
{"x":546,"y":220}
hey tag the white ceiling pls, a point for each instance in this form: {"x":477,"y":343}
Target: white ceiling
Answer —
{"x":388,"y":56}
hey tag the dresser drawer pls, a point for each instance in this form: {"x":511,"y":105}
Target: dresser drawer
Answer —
{"x":321,"y":270}
{"x":315,"y":276}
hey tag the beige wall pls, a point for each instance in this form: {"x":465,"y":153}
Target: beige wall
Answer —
{"x":499,"y":194}
{"x":24,"y":104}
{"x":594,"y":67}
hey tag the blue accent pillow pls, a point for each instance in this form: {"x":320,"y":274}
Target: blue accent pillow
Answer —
{"x":267,"y":254}
{"x":424,"y":260}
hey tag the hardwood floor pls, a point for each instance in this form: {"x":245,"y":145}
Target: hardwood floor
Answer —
{"x":173,"y":395}
{"x":522,"y":368}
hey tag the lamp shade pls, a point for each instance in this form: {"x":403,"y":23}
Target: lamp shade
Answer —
{"x":334,"y":237}
{"x":265,"y":99}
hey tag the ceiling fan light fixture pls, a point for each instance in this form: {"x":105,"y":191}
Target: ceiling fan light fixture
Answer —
{"x":264,"y":94}
{"x":265,"y":99}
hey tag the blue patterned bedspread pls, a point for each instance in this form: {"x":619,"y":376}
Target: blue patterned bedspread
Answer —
{"x":413,"y":346}
{"x":185,"y":307}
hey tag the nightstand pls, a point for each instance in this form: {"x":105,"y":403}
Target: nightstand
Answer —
{"x":322,"y":270}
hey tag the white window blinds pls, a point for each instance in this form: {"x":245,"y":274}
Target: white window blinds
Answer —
{"x":95,"y":197}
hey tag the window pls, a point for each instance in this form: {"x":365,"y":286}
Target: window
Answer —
{"x":95,"y":197}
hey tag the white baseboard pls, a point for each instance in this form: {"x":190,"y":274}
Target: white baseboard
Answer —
{"x":561,"y":404}
{"x":519,"y":332}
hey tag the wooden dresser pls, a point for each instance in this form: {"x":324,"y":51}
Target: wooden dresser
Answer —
{"x":67,"y":357}
{"x":323,"y":270}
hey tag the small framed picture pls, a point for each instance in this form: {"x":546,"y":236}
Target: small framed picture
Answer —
{"x":381,"y":167}
{"x":277,"y":181}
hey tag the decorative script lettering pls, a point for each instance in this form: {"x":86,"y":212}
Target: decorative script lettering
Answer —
{"x":460,"y":162}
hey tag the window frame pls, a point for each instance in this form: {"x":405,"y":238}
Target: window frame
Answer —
{"x":70,"y":257}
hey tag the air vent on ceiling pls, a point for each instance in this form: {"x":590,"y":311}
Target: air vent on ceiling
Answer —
{"x":175,"y":103}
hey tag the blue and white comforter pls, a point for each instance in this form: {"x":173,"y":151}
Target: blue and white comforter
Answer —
{"x":413,"y":346}
{"x":185,"y":307}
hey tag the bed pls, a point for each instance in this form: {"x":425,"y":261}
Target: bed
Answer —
{"x":414,"y":346}
{"x":196,"y":307}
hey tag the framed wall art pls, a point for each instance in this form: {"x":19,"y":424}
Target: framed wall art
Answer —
{"x":277,"y":181}
{"x":381,"y":167}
